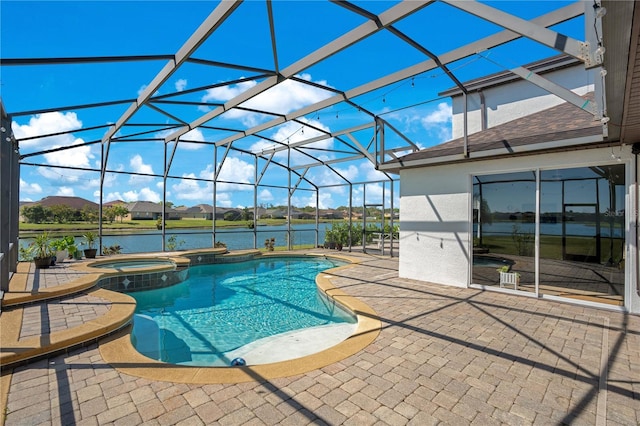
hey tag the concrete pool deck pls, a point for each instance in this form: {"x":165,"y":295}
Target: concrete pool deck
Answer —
{"x":443,"y":355}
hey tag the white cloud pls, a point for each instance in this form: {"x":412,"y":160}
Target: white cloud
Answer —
{"x":374,"y":195}
{"x":111,"y":196}
{"x":371,"y":173}
{"x":413,"y":123}
{"x":325,"y":202}
{"x":439,"y":121}
{"x":145,"y":194}
{"x":50,"y":123}
{"x":441,"y":115}
{"x":233,"y":170}
{"x":41,"y":124}
{"x":73,"y":157}
{"x":29,"y":188}
{"x":292,"y":132}
{"x":187,"y":189}
{"x":264,"y":196}
{"x":65,"y":191}
{"x":60,"y":177}
{"x":282,"y":98}
{"x":224,"y":93}
{"x":191,"y":135}
{"x":181,"y":84}
{"x":289,"y":95}
{"x":138,"y":166}
{"x":327,"y":177}
{"x":224,"y":199}
{"x":110,"y":180}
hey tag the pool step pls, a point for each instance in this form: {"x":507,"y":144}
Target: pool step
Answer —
{"x":27,"y":329}
{"x":27,"y":284}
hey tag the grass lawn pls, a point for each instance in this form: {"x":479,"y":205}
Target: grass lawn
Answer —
{"x":551,"y":246}
{"x":30,"y":229}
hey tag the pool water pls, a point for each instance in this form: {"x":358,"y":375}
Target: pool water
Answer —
{"x":493,"y":262}
{"x":132,"y":264}
{"x":221,"y":308}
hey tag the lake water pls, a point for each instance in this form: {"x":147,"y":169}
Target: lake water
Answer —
{"x":575,"y":229}
{"x":235,"y":238}
{"x":302,"y":234}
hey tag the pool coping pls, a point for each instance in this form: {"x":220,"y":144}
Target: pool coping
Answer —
{"x":118,"y":351}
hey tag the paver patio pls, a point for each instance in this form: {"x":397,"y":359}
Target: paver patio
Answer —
{"x":444,"y":355}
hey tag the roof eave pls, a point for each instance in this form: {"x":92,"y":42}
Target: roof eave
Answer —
{"x":547,"y":65}
{"x":592,"y":141}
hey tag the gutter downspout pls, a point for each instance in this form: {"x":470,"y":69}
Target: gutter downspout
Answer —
{"x":466,"y":147}
{"x":636,"y":150}
{"x":483,"y":111}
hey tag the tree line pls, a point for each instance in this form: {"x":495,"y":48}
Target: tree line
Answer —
{"x":61,"y":213}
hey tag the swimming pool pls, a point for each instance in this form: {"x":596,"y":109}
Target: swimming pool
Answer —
{"x":224,"y":310}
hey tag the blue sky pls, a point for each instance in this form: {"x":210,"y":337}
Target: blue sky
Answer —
{"x":53,"y":29}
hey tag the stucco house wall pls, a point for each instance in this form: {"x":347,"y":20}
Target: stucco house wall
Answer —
{"x":436,"y":219}
{"x":507,"y":102}
{"x":434,"y":228}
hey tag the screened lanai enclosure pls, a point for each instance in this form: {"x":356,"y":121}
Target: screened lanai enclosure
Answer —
{"x":254,"y":104}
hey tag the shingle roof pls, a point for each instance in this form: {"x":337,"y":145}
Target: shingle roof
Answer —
{"x":73,"y":202}
{"x":559,"y":123}
{"x":146,"y":206}
{"x":540,"y":67}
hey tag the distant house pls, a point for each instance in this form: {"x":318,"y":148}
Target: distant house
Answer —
{"x":396,"y":215}
{"x":331,"y":214}
{"x":147,"y":210}
{"x":275,"y":214}
{"x":295,"y":214}
{"x":228,"y":214}
{"x":219,"y":213}
{"x":200,"y":211}
{"x":307,"y":215}
{"x":75,"y":203}
{"x":114,"y":203}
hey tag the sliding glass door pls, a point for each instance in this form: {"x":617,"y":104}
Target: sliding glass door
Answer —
{"x":581,"y":244}
{"x":504,"y":230}
{"x":581,"y":256}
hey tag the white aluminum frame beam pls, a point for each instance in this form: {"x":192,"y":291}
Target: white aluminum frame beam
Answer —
{"x":318,"y":138}
{"x":389,"y":17}
{"x":555,"y":17}
{"x":224,"y":9}
{"x":551,"y":87}
{"x":577,"y":49}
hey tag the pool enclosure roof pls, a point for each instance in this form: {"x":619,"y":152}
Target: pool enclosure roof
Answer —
{"x":323,"y":91}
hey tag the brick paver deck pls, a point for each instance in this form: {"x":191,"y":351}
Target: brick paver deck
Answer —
{"x":56,"y":275}
{"x":444,"y":355}
{"x":60,"y":314}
